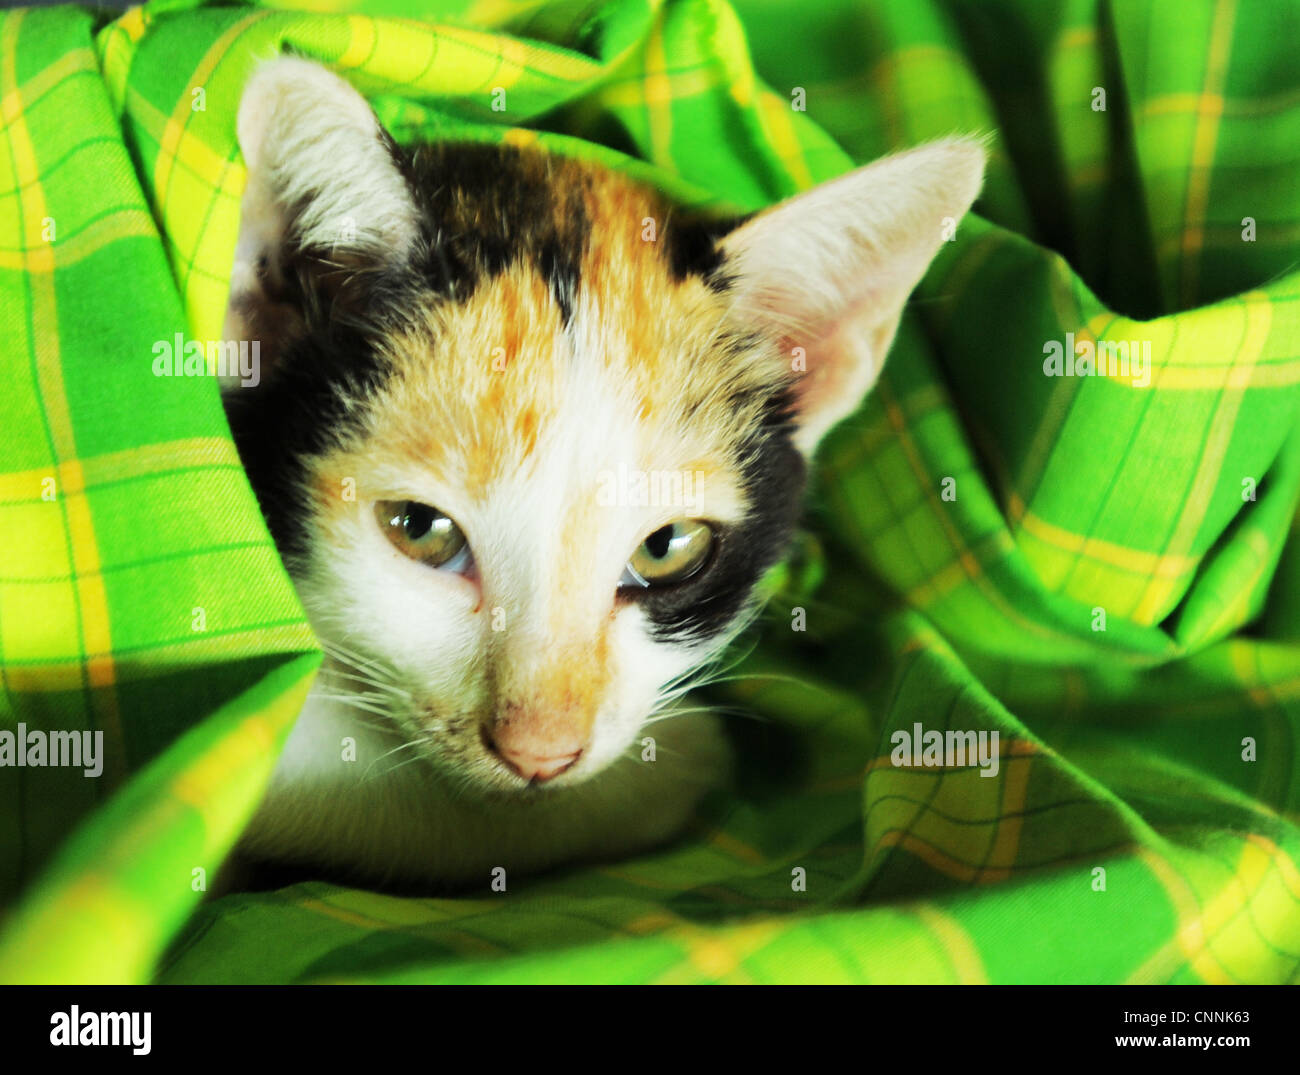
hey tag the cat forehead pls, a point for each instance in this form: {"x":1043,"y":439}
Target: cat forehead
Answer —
{"x":576,"y":300}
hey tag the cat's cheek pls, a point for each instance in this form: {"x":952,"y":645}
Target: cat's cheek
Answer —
{"x":424,"y":623}
{"x":642,"y":668}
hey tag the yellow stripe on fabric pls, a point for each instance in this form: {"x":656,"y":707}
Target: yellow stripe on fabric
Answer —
{"x":658,"y":95}
{"x":199,"y":784}
{"x":16,"y":100}
{"x":515,"y":62}
{"x":25,"y":485}
{"x":1188,"y":945}
{"x":1015,"y":789}
{"x":116,"y":45}
{"x":1225,"y":943}
{"x":886,"y":85}
{"x":1218,"y":363}
{"x":737,"y":849}
{"x":1155,"y":602}
{"x":362,"y":37}
{"x":133,"y":23}
{"x":162,"y":456}
{"x":1077,"y":37}
{"x":695,"y":82}
{"x":655,"y":921}
{"x":1243,"y":654}
{"x":955,"y":941}
{"x":520,"y":138}
{"x":92,"y":598}
{"x":1121,"y":557}
{"x":1234,"y":917}
{"x":1274,"y":766}
{"x":933,"y":587}
{"x":95,"y":917}
{"x":932,"y":856}
{"x":189,"y":653}
{"x":91,"y":593}
{"x":778,"y":125}
{"x":466,"y":62}
{"x":1179,"y":103}
{"x":123,"y":224}
{"x":1286,"y":868}
{"x":89,"y":926}
{"x":718,"y":954}
{"x":919,"y":402}
{"x":974,"y":571}
{"x":171,"y":138}
{"x":1208,"y":113}
{"x":39,"y":259}
{"x":742,"y":87}
{"x":1209,"y":379}
{"x":194,"y":153}
{"x":338,"y":914}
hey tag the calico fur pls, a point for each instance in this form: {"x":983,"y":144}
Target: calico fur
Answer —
{"x":488,"y":330}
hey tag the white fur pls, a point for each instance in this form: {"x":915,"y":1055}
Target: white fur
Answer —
{"x":830,"y":270}
{"x":398,"y":820}
{"x":309,"y":139}
{"x":313,"y":141}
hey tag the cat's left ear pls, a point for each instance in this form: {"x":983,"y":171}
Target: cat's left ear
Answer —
{"x":326,"y":205}
{"x":828,"y":271}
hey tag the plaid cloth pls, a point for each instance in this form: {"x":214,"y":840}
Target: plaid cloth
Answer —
{"x":1104,"y":572}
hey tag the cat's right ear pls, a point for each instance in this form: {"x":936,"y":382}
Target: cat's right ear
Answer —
{"x":827,"y":272}
{"x":326,"y":207}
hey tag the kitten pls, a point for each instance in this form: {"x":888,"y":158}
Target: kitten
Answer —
{"x":525,"y":462}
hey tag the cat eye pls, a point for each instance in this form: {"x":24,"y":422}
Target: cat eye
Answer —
{"x":423,"y":533}
{"x":673,"y":553}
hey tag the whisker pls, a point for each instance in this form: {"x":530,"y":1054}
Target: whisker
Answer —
{"x":354,"y":701}
{"x":391,"y":688}
{"x":402,"y":764}
{"x":396,"y":750}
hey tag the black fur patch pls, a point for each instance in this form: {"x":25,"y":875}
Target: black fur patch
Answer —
{"x":705,"y":605}
{"x":296,"y":413}
{"x":691,"y":246}
{"x":560,"y":268}
{"x":486,"y":207}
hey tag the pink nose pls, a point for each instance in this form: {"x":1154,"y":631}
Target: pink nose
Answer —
{"x":533,"y":759}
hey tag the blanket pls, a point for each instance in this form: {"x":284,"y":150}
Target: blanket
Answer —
{"x":1026,"y":701}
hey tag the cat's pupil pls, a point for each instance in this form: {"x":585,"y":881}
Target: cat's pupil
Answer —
{"x":657,"y":543}
{"x":419,"y":521}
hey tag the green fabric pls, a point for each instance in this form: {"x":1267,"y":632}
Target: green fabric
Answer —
{"x":1106,"y":573}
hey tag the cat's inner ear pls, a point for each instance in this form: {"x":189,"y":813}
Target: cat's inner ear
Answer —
{"x":827,"y":272}
{"x":325,"y":206}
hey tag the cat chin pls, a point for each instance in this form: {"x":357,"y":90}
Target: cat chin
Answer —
{"x":409,"y":828}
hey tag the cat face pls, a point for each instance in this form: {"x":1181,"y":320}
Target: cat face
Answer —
{"x":529,"y":437}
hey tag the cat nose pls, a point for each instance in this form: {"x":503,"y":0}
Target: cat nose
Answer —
{"x":532,"y":757}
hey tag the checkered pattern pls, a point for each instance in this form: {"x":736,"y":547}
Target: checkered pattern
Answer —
{"x":1107,"y":574}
